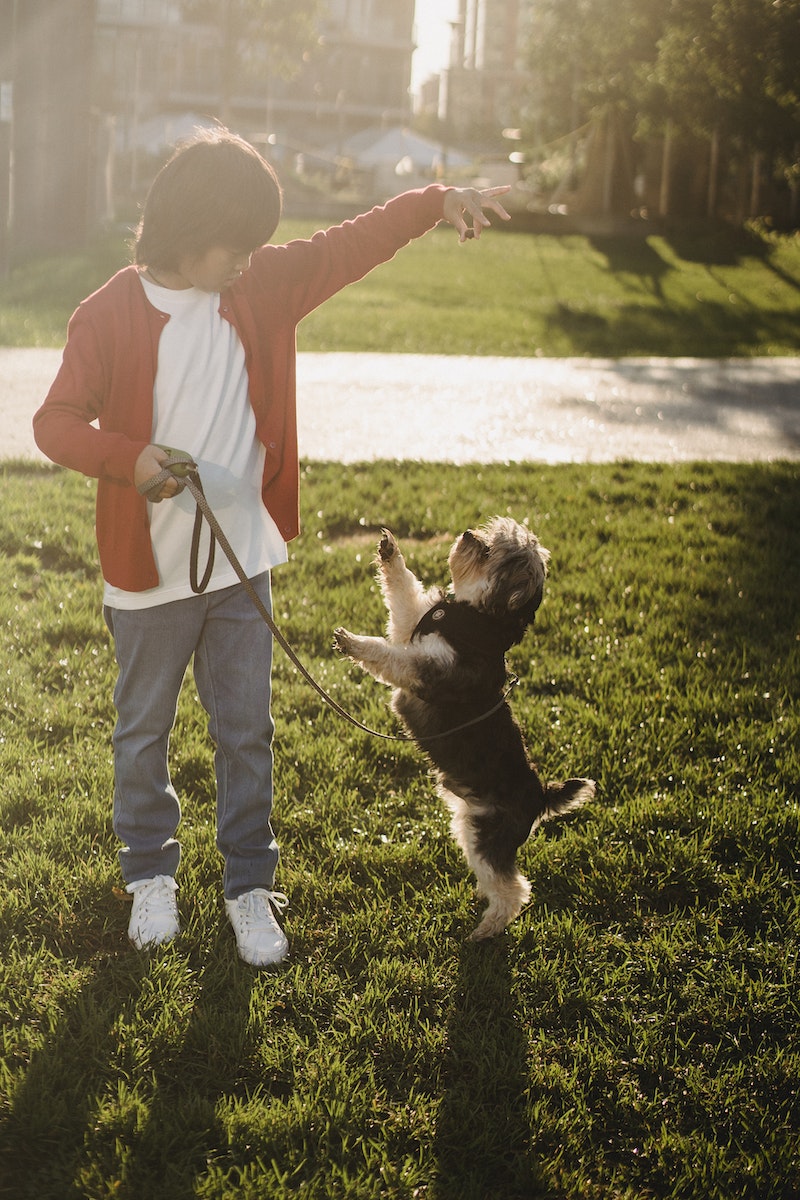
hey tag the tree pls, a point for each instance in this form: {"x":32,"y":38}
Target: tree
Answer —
{"x":266,"y":36}
{"x":587,"y":60}
{"x":731,"y":66}
{"x":722,"y":70}
{"x":728,"y":70}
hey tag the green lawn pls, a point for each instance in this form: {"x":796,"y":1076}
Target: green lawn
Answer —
{"x":718,"y":293}
{"x":633,"y":1035}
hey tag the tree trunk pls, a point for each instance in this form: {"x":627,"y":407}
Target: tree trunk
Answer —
{"x":713,"y":174}
{"x":755,"y":184}
{"x":610,"y":159}
{"x":52,"y":123}
{"x":228,"y":64}
{"x":666,"y":169}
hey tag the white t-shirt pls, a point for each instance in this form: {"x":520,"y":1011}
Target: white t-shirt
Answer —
{"x":201,"y":405}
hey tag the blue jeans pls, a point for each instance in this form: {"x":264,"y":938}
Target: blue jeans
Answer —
{"x":232,"y":649}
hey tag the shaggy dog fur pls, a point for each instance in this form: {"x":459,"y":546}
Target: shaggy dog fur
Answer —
{"x":445,"y":656}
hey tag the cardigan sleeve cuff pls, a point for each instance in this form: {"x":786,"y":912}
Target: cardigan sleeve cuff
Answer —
{"x":118,"y":465}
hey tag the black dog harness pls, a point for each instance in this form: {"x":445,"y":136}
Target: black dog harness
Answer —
{"x":475,"y":632}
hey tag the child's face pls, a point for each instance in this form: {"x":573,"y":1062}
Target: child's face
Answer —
{"x":216,"y":269}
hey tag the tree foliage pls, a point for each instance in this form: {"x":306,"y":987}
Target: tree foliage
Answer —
{"x":286,"y":31}
{"x":258,"y":38}
{"x":588,"y":58}
{"x":744,"y":54}
{"x":726,"y":67}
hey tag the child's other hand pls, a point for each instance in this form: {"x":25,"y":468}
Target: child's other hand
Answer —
{"x":464,"y":204}
{"x":148,"y":464}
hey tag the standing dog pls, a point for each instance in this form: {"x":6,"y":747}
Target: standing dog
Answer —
{"x":445,"y":656}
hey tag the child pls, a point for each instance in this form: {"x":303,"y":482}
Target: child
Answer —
{"x":193,"y":347}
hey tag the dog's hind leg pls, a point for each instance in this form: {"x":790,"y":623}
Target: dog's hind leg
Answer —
{"x":490,"y":841}
{"x":507,"y":893}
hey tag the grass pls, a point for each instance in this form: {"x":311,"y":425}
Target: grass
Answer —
{"x":635,"y":1032}
{"x":719,"y":293}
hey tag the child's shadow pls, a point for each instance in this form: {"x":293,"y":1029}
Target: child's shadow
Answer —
{"x":483,"y":1140}
{"x":127,"y":1082}
{"x":207,"y":1066}
{"x":43,"y":1135}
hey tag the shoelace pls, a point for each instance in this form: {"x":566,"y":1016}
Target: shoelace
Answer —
{"x":258,"y":907}
{"x":157,"y":895}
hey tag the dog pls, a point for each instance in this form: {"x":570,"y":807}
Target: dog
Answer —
{"x":444,"y":654}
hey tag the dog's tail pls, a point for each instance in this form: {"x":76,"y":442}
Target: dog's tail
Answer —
{"x":560,"y":798}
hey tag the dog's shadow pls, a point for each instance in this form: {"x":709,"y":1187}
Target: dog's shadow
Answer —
{"x":483,"y":1138}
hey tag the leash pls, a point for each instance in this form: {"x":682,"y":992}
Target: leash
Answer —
{"x":182,"y":467}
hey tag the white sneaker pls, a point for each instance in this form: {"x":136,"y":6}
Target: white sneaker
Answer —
{"x":155,"y":911}
{"x":259,"y":938}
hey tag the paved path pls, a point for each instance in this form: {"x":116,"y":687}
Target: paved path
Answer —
{"x":356,"y":407}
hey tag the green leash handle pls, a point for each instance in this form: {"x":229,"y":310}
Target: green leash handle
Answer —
{"x":181,"y":467}
{"x":180,"y":463}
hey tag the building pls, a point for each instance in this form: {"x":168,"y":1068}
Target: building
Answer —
{"x":481,"y":88}
{"x":159,"y":59}
{"x":92,"y":91}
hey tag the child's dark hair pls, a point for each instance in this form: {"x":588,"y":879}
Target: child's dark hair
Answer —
{"x":216,"y":190}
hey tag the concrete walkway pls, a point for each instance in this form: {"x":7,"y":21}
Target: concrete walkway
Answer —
{"x":357,"y":407}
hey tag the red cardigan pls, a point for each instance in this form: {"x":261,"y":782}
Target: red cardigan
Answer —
{"x":109,"y":364}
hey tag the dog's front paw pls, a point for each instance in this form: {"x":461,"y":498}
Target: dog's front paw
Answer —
{"x":387,"y":546}
{"x":342,"y":641}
